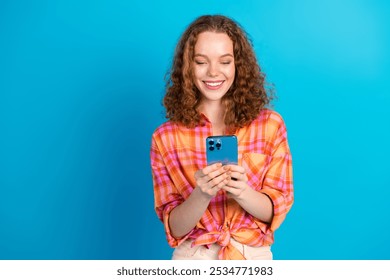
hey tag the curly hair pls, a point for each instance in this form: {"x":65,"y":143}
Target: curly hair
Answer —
{"x":246,"y":97}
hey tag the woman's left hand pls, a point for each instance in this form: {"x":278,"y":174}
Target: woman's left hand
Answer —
{"x":257,"y":204}
{"x":238,"y":181}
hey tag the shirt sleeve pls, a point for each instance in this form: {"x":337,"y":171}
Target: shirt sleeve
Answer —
{"x":278,"y":181}
{"x":166,"y":196}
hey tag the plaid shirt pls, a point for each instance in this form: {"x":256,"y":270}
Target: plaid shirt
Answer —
{"x":178,"y":152}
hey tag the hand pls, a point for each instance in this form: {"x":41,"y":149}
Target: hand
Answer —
{"x":238,"y":182}
{"x":212,"y":178}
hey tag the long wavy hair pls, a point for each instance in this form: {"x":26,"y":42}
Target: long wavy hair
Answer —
{"x":246,"y":97}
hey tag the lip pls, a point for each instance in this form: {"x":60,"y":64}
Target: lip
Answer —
{"x":213,"y":85}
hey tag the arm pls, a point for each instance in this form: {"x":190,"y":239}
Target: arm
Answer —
{"x":185,"y":216}
{"x":268,"y":194}
{"x":180,"y":204}
{"x":255,"y":203}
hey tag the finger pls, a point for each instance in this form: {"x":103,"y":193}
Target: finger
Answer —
{"x":210,"y":168}
{"x":214,"y":191}
{"x":219,"y":180}
{"x":236,"y":176}
{"x":231,"y":190}
{"x":220,"y":171}
{"x":221,"y":185}
{"x":205,"y":171}
{"x":233,"y":184}
{"x":213,"y":186}
{"x":237,"y":168}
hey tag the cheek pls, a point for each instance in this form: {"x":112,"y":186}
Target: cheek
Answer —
{"x":230,"y":72}
{"x":199,"y":72}
{"x":231,"y":75}
{"x":197,"y":78}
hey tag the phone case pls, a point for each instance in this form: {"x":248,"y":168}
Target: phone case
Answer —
{"x":222,"y":149}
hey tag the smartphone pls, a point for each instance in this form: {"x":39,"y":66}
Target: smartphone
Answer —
{"x":223,"y":149}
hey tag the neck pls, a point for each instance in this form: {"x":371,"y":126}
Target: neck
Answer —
{"x":215,"y":112}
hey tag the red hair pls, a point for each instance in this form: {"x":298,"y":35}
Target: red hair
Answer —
{"x":246,"y":97}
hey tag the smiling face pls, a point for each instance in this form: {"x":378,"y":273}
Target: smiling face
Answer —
{"x":213,"y":65}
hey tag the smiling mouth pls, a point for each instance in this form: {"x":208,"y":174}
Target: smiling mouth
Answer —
{"x":213,"y":84}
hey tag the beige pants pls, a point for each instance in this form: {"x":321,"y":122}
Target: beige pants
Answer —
{"x":185,"y":252}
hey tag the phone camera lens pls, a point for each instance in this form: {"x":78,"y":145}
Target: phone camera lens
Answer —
{"x":218,"y":145}
{"x":211,"y":148}
{"x":211,"y":142}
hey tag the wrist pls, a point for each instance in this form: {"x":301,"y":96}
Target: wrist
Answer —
{"x":201,"y":196}
{"x":244,"y":195}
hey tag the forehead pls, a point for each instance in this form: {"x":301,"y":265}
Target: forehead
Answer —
{"x":213,"y":43}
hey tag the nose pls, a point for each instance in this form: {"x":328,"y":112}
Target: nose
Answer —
{"x":212,"y":70}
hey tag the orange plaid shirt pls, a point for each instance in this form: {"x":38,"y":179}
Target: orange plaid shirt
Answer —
{"x":178,"y":152}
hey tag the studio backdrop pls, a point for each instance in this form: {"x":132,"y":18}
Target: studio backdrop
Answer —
{"x":81,"y":84}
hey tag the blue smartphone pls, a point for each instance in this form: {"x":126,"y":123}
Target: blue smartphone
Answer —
{"x":222,"y":149}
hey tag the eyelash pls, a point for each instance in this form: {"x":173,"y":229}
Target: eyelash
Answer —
{"x":201,"y":63}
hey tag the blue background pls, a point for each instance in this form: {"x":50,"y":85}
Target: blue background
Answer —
{"x":81,"y":84}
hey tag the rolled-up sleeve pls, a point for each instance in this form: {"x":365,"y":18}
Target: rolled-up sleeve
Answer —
{"x":166,"y":196}
{"x":278,"y":180}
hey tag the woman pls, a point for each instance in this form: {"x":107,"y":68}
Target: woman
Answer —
{"x":216,"y":87}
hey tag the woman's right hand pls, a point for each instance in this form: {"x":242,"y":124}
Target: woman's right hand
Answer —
{"x":212,"y":178}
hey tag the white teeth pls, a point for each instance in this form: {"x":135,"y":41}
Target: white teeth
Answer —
{"x":214,"y":84}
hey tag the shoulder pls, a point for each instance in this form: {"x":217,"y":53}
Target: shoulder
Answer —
{"x":270,"y":118}
{"x":270,"y":124}
{"x":165,"y":133}
{"x":165,"y":129}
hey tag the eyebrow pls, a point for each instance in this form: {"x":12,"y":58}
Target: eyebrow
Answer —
{"x":205,"y":56}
